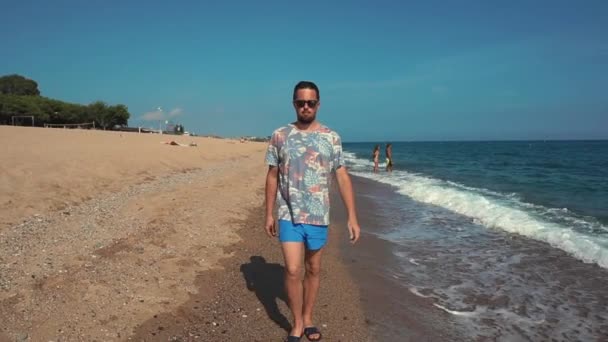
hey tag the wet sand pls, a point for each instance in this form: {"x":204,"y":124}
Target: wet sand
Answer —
{"x":425,"y":274}
{"x":391,"y":311}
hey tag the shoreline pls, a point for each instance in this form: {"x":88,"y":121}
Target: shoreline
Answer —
{"x":391,"y":311}
{"x":177,"y":252}
{"x":504,"y":286}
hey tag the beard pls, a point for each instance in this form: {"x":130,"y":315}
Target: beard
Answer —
{"x":306,"y":119}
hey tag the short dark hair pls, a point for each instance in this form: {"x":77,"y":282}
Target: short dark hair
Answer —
{"x":306,"y":85}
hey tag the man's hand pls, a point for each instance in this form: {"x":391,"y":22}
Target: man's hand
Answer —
{"x":354,"y":230}
{"x":270,"y":227}
{"x":348,"y":196}
{"x":272,"y":182}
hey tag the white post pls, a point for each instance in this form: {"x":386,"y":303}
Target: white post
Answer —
{"x":160,"y":130}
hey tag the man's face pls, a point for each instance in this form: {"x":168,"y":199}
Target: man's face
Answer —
{"x":306,"y":104}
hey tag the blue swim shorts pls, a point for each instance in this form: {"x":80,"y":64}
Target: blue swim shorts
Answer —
{"x":313,"y":236}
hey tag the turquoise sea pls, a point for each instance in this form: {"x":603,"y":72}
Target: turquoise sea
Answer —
{"x":508,"y":238}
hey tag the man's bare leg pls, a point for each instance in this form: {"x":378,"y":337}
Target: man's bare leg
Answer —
{"x":312,"y":278}
{"x":292,"y":253}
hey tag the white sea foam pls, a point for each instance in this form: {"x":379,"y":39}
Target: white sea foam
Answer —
{"x":417,"y":293}
{"x":456,"y":313}
{"x":492,"y":210}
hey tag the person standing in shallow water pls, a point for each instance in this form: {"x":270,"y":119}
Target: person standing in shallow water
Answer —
{"x":389,"y":157}
{"x":302,"y":157}
{"x":376,"y":157}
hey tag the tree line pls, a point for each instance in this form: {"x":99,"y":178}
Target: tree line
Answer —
{"x":20,"y":96}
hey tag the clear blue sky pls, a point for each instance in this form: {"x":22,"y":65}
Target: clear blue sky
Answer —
{"x":388,"y":70}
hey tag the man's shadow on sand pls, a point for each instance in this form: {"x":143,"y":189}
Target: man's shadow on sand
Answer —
{"x":267,"y":282}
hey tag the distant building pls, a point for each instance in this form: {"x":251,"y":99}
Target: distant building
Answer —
{"x":173,"y":128}
{"x":252,"y":138}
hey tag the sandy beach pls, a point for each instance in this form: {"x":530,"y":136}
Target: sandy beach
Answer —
{"x":109,"y":236}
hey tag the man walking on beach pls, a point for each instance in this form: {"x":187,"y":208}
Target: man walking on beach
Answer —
{"x":302,"y":157}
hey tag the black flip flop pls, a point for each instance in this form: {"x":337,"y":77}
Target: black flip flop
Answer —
{"x":312,"y":331}
{"x":292,"y":338}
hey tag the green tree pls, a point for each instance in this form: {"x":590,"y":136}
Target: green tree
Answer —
{"x":11,"y":105}
{"x":98,"y":112}
{"x":20,"y":96}
{"x":118,"y":115}
{"x":18,"y":85}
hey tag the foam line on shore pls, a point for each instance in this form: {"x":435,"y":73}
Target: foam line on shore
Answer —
{"x":497,"y":211}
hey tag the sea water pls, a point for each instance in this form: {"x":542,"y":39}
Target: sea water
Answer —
{"x":510,"y":238}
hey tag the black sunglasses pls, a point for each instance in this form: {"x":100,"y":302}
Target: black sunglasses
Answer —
{"x":302,"y":103}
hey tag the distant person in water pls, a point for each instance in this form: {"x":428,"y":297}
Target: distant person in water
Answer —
{"x":376,"y":157}
{"x":389,"y":157}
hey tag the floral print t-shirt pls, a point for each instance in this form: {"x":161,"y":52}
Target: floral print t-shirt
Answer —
{"x":306,"y":161}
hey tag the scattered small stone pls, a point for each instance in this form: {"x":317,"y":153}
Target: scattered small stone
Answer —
{"x":91,"y":220}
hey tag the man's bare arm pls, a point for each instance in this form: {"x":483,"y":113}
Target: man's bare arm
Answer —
{"x":272,"y":181}
{"x":348,"y":197}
